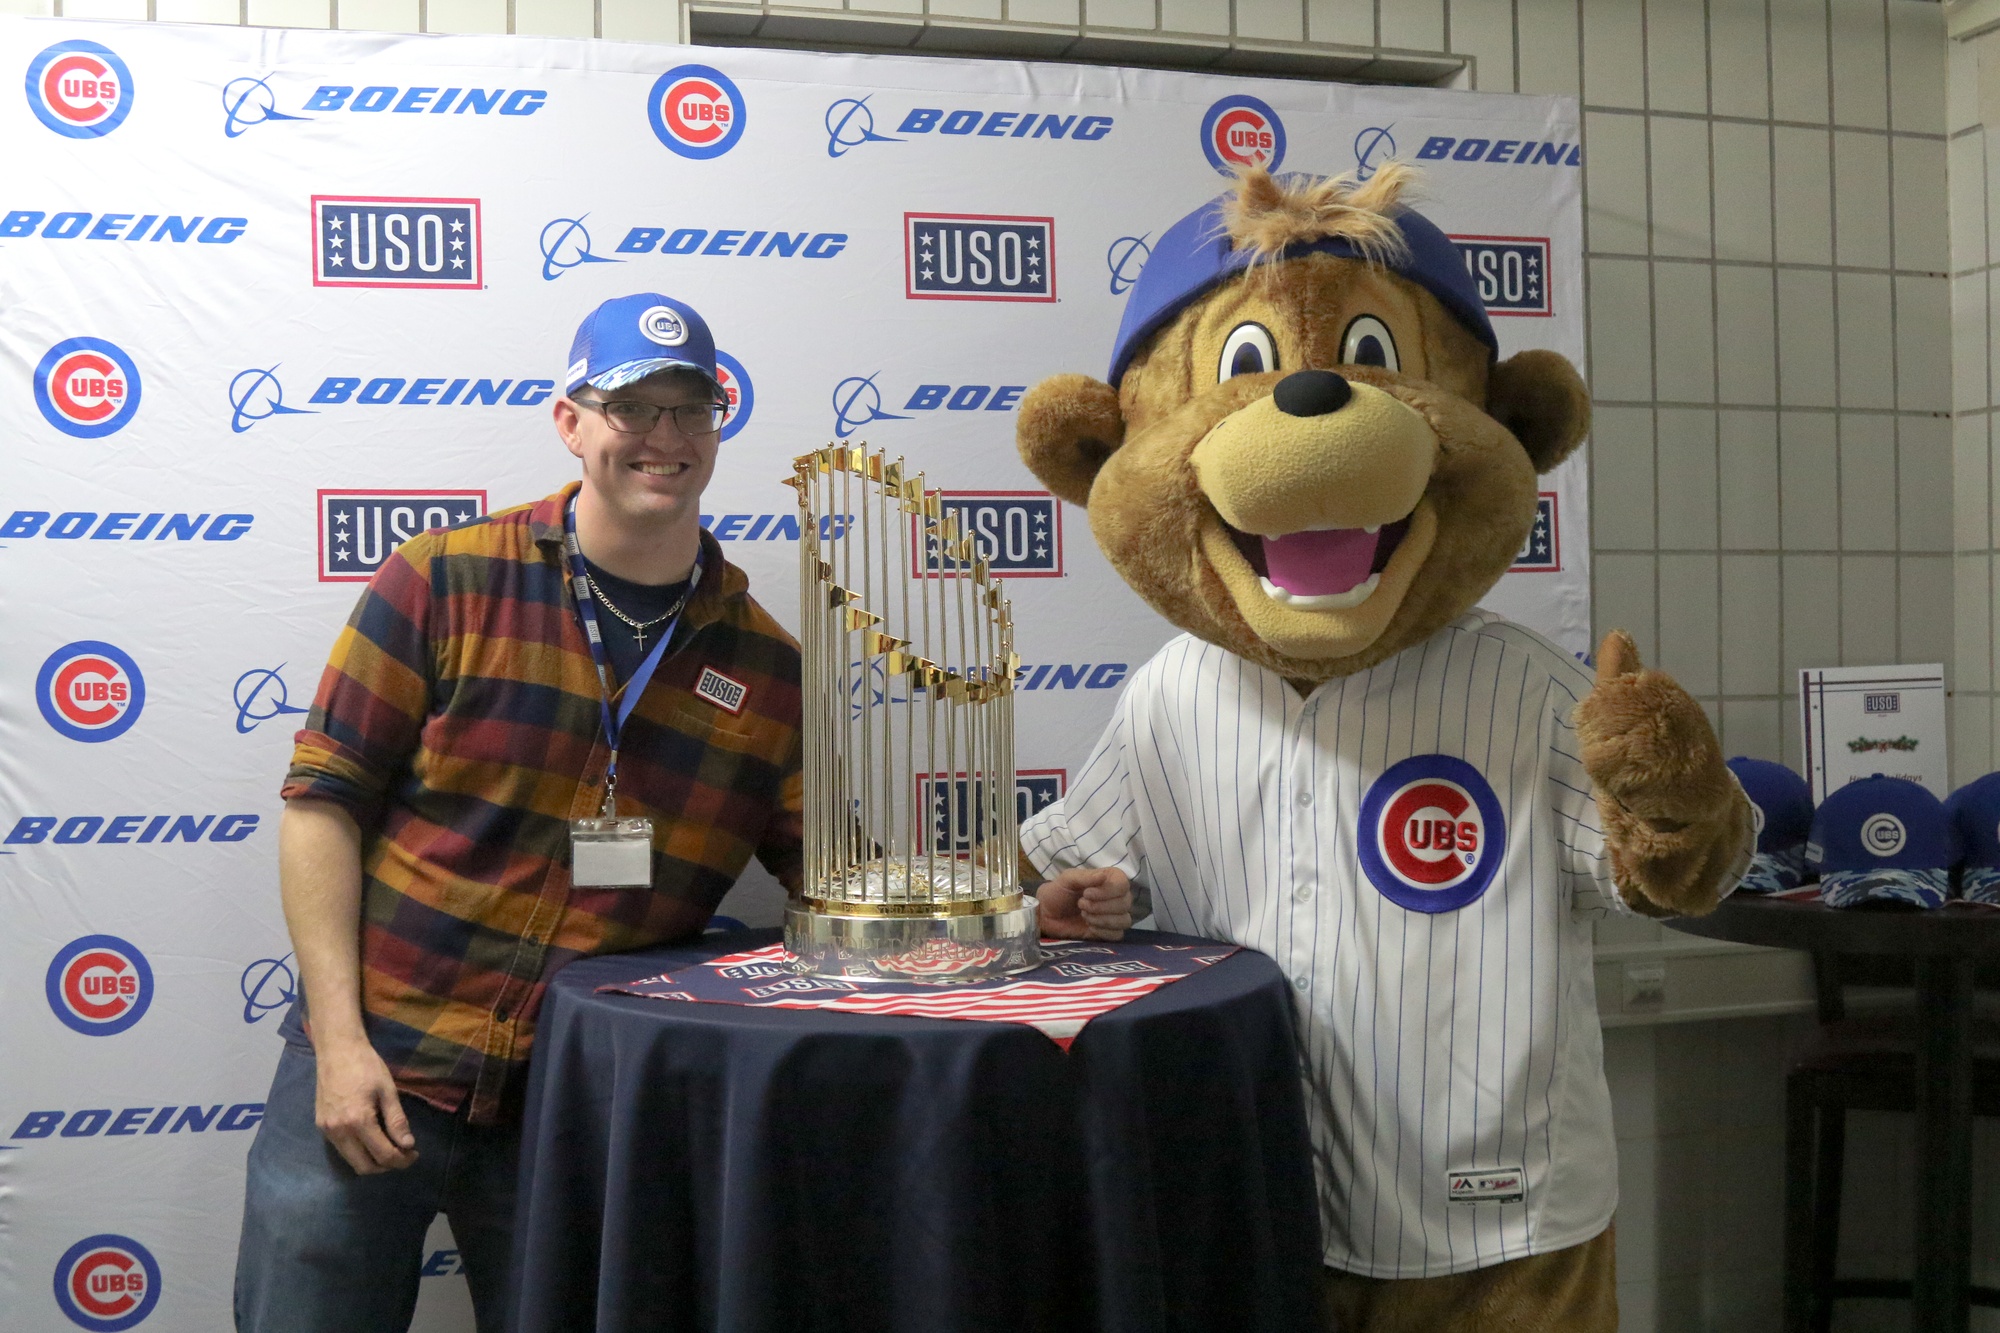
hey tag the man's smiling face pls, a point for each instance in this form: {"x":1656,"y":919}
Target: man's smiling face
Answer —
{"x":651,"y":477}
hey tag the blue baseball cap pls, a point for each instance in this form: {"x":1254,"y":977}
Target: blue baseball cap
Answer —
{"x":1975,"y":813}
{"x":630,"y":337}
{"x":1781,"y":804}
{"x":1196,"y":254}
{"x":1881,"y":838}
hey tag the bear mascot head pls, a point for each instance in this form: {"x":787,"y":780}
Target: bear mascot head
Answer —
{"x":1307,"y":452}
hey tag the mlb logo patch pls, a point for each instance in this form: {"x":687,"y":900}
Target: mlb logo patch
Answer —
{"x":1541,"y":551}
{"x":358,"y":529}
{"x":967,"y":257}
{"x":1017,"y":533}
{"x":1511,"y":272}
{"x":378,"y":241}
{"x":723,"y":691}
{"x":1506,"y":1185}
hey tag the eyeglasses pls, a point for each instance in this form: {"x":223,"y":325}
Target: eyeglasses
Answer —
{"x":632,"y":417}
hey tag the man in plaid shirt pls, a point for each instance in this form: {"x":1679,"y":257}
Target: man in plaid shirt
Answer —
{"x":462,"y":724}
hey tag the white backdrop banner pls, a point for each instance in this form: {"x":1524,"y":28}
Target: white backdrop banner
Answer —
{"x":272,"y":302}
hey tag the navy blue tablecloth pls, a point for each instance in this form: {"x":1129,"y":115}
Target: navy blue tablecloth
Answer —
{"x":739,"y":1170}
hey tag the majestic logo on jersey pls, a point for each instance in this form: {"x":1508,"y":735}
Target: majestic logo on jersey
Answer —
{"x":90,"y":691}
{"x":107,"y":1283}
{"x":99,"y":985}
{"x":87,"y":387}
{"x":1431,"y":833}
{"x":696,"y":111}
{"x":79,"y":89}
{"x":1241,"y":131}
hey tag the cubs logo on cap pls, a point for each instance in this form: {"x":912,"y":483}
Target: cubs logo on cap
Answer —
{"x":696,"y":111}
{"x":1882,"y":839}
{"x":630,"y":337}
{"x":1975,"y":814}
{"x":1431,"y":833}
{"x":79,"y":89}
{"x":107,"y":1283}
{"x":1782,"y":809}
{"x":87,"y":387}
{"x":99,"y":985}
{"x":90,"y":691}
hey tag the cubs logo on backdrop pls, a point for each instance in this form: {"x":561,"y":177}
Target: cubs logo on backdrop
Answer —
{"x":99,"y":985}
{"x":107,"y":1283}
{"x":90,"y":691}
{"x":968,"y":257}
{"x":737,"y":390}
{"x":1017,"y":533}
{"x":374,"y":241}
{"x":358,"y":529}
{"x":1431,"y":833}
{"x":79,"y":89}
{"x":1242,"y":131}
{"x":1511,"y":272}
{"x":87,"y":387}
{"x":696,"y":111}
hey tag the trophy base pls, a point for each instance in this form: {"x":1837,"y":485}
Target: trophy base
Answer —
{"x":942,"y":950}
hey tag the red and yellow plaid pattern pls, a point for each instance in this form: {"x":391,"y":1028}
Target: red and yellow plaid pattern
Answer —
{"x":458,"y":721}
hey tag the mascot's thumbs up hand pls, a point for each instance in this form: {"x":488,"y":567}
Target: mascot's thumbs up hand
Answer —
{"x":1676,"y":825}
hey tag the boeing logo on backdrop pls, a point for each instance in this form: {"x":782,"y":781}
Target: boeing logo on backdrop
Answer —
{"x":79,"y":89}
{"x":971,"y":257}
{"x":358,"y":529}
{"x":87,"y":387}
{"x":260,"y":695}
{"x":1017,"y":533}
{"x":857,"y":401}
{"x":850,"y":122}
{"x":269,"y":986}
{"x":248,"y":102}
{"x":732,"y":242}
{"x":72,"y":225}
{"x":1242,"y":131}
{"x":125,"y":525}
{"x":118,"y":830}
{"x":257,"y":395}
{"x":696,"y":111}
{"x":1502,"y":152}
{"x":90,"y":691}
{"x":1126,"y":258}
{"x":99,"y":985}
{"x":379,"y":241}
{"x":565,"y":243}
{"x":107,"y":1283}
{"x":132,"y":1121}
{"x":1372,"y":147}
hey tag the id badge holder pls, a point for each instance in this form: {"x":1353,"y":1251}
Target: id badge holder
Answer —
{"x":611,"y":853}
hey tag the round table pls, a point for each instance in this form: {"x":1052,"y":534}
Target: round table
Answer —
{"x":1944,"y":943}
{"x":691,"y":1166}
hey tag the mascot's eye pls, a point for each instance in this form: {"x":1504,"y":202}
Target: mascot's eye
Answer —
{"x":1367,"y":342}
{"x":1248,"y":350}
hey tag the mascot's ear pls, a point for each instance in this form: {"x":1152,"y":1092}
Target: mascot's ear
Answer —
{"x":1541,"y":399}
{"x":1067,"y":426}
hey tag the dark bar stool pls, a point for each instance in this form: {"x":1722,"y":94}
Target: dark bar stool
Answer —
{"x":1862,"y":1063}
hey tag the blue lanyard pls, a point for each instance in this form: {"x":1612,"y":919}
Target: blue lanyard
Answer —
{"x":586,"y":610}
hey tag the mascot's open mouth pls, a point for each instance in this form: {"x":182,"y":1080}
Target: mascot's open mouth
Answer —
{"x":1333,"y":569}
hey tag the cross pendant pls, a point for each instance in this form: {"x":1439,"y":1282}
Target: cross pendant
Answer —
{"x":639,"y":631}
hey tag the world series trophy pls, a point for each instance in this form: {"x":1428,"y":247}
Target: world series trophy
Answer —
{"x":911,"y":834}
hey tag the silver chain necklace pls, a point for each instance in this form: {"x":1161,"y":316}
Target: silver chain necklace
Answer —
{"x":638,"y":629}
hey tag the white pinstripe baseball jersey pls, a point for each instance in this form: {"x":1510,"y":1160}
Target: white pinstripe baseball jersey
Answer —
{"x":1417,"y":847}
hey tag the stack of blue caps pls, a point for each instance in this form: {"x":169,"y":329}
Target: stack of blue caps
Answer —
{"x":1975,"y":811}
{"x":1883,"y":839}
{"x":1781,"y":805}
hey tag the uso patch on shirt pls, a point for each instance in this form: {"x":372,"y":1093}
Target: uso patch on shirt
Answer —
{"x":1431,"y":833}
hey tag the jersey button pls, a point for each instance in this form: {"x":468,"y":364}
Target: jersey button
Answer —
{"x":1299,"y":981}
{"x":1305,"y":798}
{"x":1303,"y":893}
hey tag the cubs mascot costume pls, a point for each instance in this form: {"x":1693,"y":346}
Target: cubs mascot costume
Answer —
{"x":1309,"y":458}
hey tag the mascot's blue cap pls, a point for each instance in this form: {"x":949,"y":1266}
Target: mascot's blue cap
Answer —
{"x":1196,"y":254}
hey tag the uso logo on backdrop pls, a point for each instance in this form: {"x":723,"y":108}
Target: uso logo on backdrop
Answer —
{"x":369,"y":241}
{"x":99,"y":985}
{"x":696,"y":111}
{"x":87,"y":387}
{"x":79,"y":89}
{"x":358,"y":529}
{"x":90,"y":691}
{"x":1242,"y":131}
{"x":969,"y":257}
{"x":107,"y":1282}
{"x":1431,"y":833}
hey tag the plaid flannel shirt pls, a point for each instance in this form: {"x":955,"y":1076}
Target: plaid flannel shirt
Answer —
{"x":459,"y":722}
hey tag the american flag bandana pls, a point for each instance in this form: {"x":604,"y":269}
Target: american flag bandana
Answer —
{"x":1080,"y":980}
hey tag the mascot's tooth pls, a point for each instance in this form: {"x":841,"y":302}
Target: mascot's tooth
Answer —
{"x":1372,"y":529}
{"x":1326,"y":601}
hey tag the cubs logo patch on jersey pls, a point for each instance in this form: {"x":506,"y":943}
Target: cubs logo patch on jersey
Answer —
{"x":1431,"y":833}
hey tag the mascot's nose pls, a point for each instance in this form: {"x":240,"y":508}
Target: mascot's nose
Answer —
{"x":1311,"y":393}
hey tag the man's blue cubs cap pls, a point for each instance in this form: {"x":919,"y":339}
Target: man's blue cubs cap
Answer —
{"x":1196,"y":254}
{"x":1883,"y":838}
{"x":1975,"y":813}
{"x":630,"y":337}
{"x":1780,"y":801}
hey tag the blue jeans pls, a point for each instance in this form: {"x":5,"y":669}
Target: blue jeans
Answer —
{"x":327,"y":1251}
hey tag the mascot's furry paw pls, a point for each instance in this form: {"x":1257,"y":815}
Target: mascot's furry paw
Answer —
{"x":1677,"y":826}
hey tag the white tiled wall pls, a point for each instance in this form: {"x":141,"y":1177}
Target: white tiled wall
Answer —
{"x":1794,"y":265}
